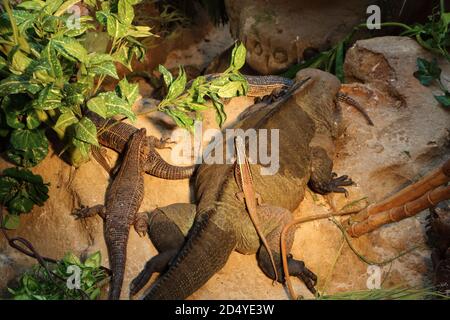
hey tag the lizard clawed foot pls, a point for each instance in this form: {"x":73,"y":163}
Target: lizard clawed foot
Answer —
{"x":297,"y":268}
{"x":161,"y":143}
{"x":158,"y":263}
{"x":86,"y":212}
{"x":337,"y":183}
{"x":141,"y":224}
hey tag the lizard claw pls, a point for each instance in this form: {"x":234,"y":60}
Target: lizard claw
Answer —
{"x":141,"y":224}
{"x":308,"y":278}
{"x":337,"y":183}
{"x":81,"y":213}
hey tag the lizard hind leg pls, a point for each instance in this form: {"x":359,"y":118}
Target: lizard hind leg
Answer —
{"x":279,"y":217}
{"x":168,"y":236}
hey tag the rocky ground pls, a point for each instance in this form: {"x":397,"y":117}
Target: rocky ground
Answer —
{"x":411,"y":136}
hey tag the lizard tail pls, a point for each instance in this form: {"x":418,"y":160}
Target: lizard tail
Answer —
{"x":206,"y":251}
{"x":342,"y":97}
{"x":158,"y":167}
{"x":117,"y":249}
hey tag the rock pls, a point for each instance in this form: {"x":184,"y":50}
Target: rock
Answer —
{"x":276,"y":33}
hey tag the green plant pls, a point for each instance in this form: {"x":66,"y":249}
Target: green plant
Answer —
{"x":429,"y":72}
{"x":51,"y":283}
{"x":20,"y":190}
{"x":51,"y":73}
{"x":183,"y":104}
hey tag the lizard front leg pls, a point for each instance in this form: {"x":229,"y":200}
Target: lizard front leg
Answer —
{"x":323,"y":180}
{"x":161,"y":143}
{"x":86,"y":212}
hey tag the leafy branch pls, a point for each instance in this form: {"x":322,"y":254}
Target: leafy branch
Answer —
{"x":20,"y":190}
{"x":184,"y":101}
{"x":40,"y":284}
{"x":51,"y":73}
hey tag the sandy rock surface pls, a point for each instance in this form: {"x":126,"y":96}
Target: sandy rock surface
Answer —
{"x":410,"y":137}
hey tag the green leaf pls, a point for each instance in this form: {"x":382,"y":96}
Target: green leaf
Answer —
{"x":167,"y":76}
{"x":427,"y":71}
{"x":177,"y":87}
{"x":21,"y":174}
{"x":66,"y":119}
{"x":20,"y":189}
{"x":128,"y":91}
{"x":97,"y":105}
{"x":86,"y":131}
{"x":16,"y":84}
{"x":115,"y":28}
{"x":31,"y":5}
{"x":238,"y":56}
{"x":139,"y":31}
{"x":116,"y":106}
{"x":70,"y":48}
{"x":125,"y":12}
{"x":49,"y":54}
{"x":29,"y":147}
{"x":91,"y":3}
{"x":106,"y":68}
{"x":8,"y":188}
{"x":94,"y":260}
{"x":81,"y":152}
{"x":19,"y":61}
{"x":32,"y":120}
{"x":444,"y":99}
{"x":339,"y":69}
{"x":72,"y":259}
{"x":13,"y":114}
{"x":52,"y":5}
{"x":66,"y":5}
{"x":102,"y":17}
{"x":11,"y":222}
{"x":230,"y":90}
{"x":48,"y":99}
{"x":74,"y":93}
{"x":21,"y":203}
{"x":221,"y":116}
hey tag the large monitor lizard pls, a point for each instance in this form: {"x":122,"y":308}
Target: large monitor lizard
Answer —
{"x":123,"y":199}
{"x":195,"y":241}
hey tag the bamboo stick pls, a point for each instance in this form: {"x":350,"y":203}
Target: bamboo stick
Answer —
{"x":432,"y":180}
{"x":374,"y":221}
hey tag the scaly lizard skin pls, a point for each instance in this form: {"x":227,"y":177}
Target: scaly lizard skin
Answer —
{"x":195,"y":241}
{"x":115,"y":135}
{"x":123,"y":199}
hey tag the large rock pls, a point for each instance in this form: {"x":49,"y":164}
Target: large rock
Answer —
{"x":276,"y":33}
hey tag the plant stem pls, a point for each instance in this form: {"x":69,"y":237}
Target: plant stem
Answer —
{"x":12,"y":21}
